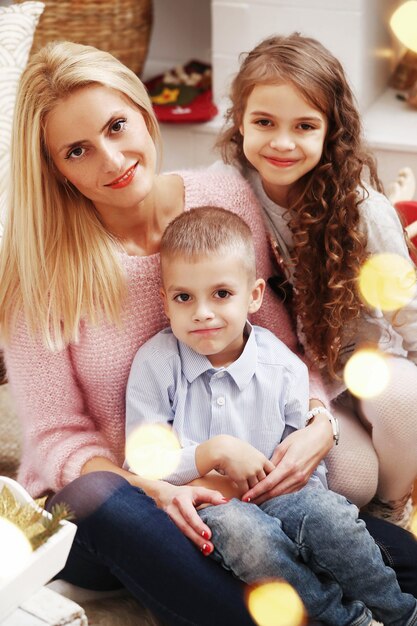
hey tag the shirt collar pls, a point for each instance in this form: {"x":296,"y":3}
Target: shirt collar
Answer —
{"x":242,"y":370}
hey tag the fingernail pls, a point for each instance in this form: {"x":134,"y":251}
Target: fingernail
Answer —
{"x":225,"y":499}
{"x":246,"y":499}
{"x":205,"y":534}
{"x":206,"y":549}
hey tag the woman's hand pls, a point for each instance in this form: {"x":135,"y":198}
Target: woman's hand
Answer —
{"x":295,"y":459}
{"x":180,"y":504}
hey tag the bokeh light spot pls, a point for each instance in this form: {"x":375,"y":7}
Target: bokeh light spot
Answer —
{"x":15,"y":549}
{"x":366,"y":374}
{"x":276,"y":603}
{"x":152,"y":451}
{"x":387,"y":281}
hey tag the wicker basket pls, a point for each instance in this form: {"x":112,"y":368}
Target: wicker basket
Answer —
{"x":122,"y":27}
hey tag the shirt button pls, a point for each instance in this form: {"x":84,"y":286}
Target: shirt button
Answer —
{"x":220,"y":401}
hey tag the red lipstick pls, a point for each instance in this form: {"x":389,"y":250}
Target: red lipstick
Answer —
{"x":124,"y":180}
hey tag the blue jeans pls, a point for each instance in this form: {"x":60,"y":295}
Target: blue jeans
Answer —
{"x":314,"y":540}
{"x":123,"y":539}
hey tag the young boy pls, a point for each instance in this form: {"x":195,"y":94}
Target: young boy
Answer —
{"x":231,"y":392}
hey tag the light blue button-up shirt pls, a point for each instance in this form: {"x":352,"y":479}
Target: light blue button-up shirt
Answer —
{"x":260,"y":398}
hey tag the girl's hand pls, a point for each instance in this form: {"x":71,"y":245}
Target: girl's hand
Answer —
{"x":295,"y":459}
{"x":180,"y":504}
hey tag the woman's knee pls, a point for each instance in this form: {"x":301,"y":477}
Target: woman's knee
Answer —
{"x":393,"y":410}
{"x":88,"y":493}
{"x":353,"y":465}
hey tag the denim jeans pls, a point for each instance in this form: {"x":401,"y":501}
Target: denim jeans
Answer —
{"x":315,"y":541}
{"x":398,"y":548}
{"x":124,"y":539}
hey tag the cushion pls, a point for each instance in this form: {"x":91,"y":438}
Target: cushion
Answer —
{"x":17,"y":27}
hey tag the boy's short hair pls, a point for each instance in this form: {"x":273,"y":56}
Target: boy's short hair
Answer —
{"x":209,"y":230}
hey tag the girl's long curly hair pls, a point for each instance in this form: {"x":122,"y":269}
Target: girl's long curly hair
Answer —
{"x":329,"y":247}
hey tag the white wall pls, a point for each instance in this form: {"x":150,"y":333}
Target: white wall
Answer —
{"x":354,"y":30}
{"x":181,"y":32}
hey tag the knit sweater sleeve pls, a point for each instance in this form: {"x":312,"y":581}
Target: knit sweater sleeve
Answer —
{"x":385,"y":235}
{"x":225,"y":187}
{"x":59,"y":435}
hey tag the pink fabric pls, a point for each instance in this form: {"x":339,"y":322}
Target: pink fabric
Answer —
{"x":72,"y":403}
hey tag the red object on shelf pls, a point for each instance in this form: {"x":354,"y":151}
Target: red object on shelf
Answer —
{"x":408,"y":211}
{"x":184,"y":94}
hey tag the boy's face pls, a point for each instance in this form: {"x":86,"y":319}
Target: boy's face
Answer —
{"x":207,"y":302}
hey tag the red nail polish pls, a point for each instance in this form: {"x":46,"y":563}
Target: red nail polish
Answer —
{"x":206,"y":549}
{"x":246,"y":499}
{"x":225,"y":499}
{"x":205,"y":534}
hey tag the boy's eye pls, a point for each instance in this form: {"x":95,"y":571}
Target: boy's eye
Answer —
{"x":222,"y":293}
{"x":75,"y":153}
{"x":118,"y":125}
{"x":182,"y":297}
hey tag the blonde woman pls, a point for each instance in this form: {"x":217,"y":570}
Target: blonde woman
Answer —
{"x":79,"y":293}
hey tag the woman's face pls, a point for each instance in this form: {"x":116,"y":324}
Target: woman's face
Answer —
{"x":99,"y":142}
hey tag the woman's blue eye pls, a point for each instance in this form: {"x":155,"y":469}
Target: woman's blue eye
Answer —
{"x":182,"y":297}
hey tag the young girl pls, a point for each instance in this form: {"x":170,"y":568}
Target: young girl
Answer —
{"x":295,"y":133}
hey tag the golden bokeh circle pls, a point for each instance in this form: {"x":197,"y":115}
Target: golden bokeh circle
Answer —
{"x":366,"y":374}
{"x":15,"y":549}
{"x":276,"y":603}
{"x":153,"y":451}
{"x":387,"y":281}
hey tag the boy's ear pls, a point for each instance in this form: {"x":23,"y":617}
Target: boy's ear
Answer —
{"x":241,"y":129}
{"x":164,"y":300}
{"x":257,"y":295}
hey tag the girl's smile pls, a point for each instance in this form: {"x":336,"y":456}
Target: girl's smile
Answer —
{"x":281,"y":162}
{"x":283,"y":137}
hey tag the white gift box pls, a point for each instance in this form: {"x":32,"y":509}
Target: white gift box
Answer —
{"x":43,"y":563}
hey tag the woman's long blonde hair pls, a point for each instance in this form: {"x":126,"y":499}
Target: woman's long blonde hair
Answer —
{"x":329,"y":247}
{"x":58,"y":264}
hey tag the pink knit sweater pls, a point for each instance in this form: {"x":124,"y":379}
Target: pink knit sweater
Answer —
{"x":72,"y":403}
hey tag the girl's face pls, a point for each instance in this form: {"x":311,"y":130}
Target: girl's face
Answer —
{"x":283,"y":137}
{"x":99,"y":142}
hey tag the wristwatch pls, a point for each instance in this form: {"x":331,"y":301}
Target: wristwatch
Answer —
{"x":333,"y":421}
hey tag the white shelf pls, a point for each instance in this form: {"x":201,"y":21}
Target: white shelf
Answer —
{"x":391,"y":124}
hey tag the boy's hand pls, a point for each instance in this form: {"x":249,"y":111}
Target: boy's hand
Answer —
{"x":295,"y":458}
{"x":240,"y":461}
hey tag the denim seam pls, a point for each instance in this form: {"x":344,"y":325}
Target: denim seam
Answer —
{"x":413,"y":619}
{"x":386,"y":552}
